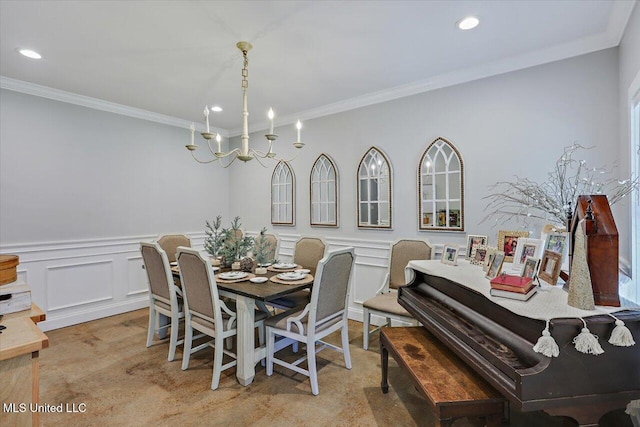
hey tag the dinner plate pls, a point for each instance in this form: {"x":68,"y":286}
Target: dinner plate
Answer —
{"x":284,"y":265}
{"x":291,"y":276}
{"x":231,"y":275}
{"x":258,"y":279}
{"x":302,"y":271}
{"x":267,"y":264}
{"x":174,"y":263}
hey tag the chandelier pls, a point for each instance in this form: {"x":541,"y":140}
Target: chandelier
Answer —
{"x":244,"y":153}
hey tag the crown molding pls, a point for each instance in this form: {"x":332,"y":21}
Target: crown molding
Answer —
{"x":619,"y":19}
{"x":609,"y":38}
{"x":97,"y":104}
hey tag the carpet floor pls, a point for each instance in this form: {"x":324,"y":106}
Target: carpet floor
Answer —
{"x":103,"y":368}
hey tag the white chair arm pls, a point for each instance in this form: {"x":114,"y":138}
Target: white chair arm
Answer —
{"x":297,"y":319}
{"x":384,"y":289}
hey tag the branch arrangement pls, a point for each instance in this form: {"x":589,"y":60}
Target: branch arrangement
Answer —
{"x":554,"y":199}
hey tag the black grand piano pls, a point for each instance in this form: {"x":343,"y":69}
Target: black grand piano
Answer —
{"x":498,"y":344}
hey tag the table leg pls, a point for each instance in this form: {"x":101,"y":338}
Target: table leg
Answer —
{"x":384,"y":365}
{"x":246,"y":369}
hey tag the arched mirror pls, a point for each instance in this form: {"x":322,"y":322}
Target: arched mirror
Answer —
{"x":282,"y":191}
{"x":374,"y":190}
{"x":324,"y":192}
{"x":441,"y":188}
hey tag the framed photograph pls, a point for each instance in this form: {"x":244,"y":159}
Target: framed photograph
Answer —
{"x":508,"y":241}
{"x":427,"y":218}
{"x":526,"y":247}
{"x":474,"y":240}
{"x":550,"y":267}
{"x":557,"y":242}
{"x":450,"y":255}
{"x":530,"y":267}
{"x":496,"y":265}
{"x":491,"y":251}
{"x":478,"y":254}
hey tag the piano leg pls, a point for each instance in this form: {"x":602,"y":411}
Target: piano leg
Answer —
{"x":585,"y":415}
{"x":384,"y":364}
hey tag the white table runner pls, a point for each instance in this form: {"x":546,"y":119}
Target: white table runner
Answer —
{"x":549,"y":302}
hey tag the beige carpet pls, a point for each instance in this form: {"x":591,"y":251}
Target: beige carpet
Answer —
{"x":105,"y":365}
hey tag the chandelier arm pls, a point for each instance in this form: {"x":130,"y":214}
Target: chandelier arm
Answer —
{"x":228,"y":164}
{"x":235,"y":151}
{"x":258,"y":159}
{"x":202,"y":161}
{"x":280,"y":159}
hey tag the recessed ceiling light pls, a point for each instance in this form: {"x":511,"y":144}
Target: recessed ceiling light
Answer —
{"x":30,"y":53}
{"x":468,"y":23}
{"x":216,"y":108}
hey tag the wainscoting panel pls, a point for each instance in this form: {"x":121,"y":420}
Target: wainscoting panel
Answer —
{"x":73,"y":285}
{"x":79,"y":281}
{"x":137,"y":281}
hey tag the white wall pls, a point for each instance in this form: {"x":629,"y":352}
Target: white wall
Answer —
{"x":80,"y":188}
{"x":629,"y":74}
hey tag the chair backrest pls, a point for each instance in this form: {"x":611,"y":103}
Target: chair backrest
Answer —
{"x":199,"y":289}
{"x":330,"y":292}
{"x":308,"y":251}
{"x":274,"y":246}
{"x":403,"y":251}
{"x":158,"y":271}
{"x":170,"y":243}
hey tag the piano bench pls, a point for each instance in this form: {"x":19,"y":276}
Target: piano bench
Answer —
{"x":452,"y":388}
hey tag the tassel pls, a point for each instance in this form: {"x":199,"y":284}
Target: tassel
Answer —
{"x":546,"y":345}
{"x":586,"y":342}
{"x":621,"y":335}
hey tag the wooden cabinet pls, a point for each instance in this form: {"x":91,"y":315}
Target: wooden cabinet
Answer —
{"x":20,"y":345}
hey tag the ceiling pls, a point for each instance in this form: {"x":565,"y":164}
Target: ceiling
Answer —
{"x":310,"y":58}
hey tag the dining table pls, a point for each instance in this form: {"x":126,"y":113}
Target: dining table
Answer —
{"x":246,"y":293}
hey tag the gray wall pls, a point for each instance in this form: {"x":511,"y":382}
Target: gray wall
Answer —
{"x":69,"y":173}
{"x":512,"y":124}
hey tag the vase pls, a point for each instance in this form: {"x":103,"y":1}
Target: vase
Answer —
{"x":215,"y":261}
{"x":261,"y":270}
{"x":235,"y":265}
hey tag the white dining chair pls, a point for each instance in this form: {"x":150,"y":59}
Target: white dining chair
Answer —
{"x":325,"y":314}
{"x":207,"y":313}
{"x":165,"y":298}
{"x":170,"y":242}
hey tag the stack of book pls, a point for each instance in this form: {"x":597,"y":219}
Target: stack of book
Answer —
{"x":15,"y":296}
{"x":514,"y":287}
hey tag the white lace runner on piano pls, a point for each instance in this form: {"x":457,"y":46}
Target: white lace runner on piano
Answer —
{"x":550,"y":302}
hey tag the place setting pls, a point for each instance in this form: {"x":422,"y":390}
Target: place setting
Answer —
{"x":295,"y":277}
{"x":234,"y":276}
{"x":283,"y":267}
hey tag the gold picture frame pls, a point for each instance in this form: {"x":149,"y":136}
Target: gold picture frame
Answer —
{"x":507,"y":242}
{"x":550,"y":267}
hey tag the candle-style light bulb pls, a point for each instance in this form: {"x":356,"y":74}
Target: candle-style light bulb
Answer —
{"x":206,"y":116}
{"x":298,"y":126}
{"x":218,"y":139}
{"x":270,"y":114}
{"x":192,"y":128}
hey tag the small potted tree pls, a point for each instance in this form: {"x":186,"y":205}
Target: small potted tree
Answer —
{"x":214,"y":240}
{"x":235,"y":246}
{"x":262,"y":249}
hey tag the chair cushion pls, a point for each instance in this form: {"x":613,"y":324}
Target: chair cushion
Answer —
{"x":388,"y":303}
